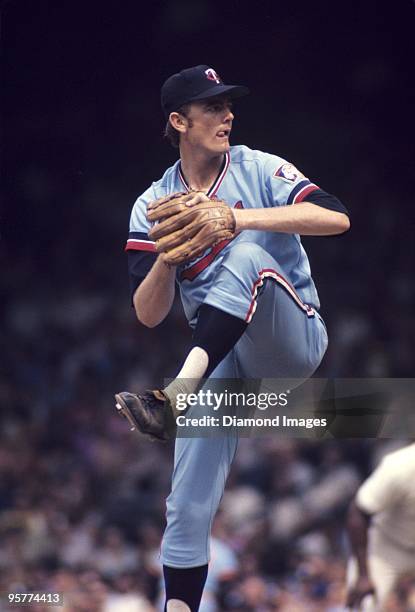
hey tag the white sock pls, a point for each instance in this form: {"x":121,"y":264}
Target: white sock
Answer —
{"x":188,"y":378}
{"x":195,"y":365}
{"x":176,"y":605}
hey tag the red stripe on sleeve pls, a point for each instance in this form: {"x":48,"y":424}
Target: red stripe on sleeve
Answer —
{"x":140,"y":245}
{"x":303,"y":193}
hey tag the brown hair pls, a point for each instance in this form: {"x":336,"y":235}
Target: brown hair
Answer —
{"x":170,"y":133}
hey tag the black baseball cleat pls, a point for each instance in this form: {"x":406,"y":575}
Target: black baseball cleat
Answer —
{"x":149,"y":413}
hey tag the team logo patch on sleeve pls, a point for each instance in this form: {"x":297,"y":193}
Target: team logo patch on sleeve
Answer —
{"x":288,"y":172}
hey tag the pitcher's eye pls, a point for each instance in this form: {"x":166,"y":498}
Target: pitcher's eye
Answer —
{"x":219,"y":106}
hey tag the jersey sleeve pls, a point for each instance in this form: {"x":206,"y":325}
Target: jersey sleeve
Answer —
{"x":381,"y":490}
{"x":284,"y":183}
{"x":141,"y":251}
{"x":327,"y":200}
{"x":139,"y":226}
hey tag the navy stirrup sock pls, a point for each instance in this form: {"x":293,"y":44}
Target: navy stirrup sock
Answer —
{"x":185,"y":584}
{"x":216,"y":332}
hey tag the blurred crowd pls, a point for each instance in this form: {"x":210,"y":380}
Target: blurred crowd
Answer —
{"x":82,"y":499}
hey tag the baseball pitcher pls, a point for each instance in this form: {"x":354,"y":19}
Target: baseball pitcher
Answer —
{"x":224,"y":224}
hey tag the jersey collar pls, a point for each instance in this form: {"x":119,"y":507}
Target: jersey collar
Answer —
{"x":217,"y":182}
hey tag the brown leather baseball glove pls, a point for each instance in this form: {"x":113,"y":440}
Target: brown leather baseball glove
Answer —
{"x":185,"y":225}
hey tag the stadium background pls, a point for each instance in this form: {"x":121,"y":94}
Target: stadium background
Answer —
{"x":81,"y":500}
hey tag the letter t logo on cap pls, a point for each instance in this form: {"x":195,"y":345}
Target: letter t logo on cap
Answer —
{"x":212,"y":75}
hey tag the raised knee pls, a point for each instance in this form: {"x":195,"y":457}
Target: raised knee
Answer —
{"x":246,"y":249}
{"x":248,"y":254}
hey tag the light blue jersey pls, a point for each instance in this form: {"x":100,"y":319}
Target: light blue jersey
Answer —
{"x":248,"y":179}
{"x":261,"y":277}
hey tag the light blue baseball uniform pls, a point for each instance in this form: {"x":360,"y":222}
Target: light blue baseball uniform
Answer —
{"x":261,"y":277}
{"x":248,"y":179}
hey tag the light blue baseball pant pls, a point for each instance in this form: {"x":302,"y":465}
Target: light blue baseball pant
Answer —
{"x":282,"y":340}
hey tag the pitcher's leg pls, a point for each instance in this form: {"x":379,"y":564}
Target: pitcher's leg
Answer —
{"x":201,"y":467}
{"x":281,"y":341}
{"x":200,"y":472}
{"x":284,"y":337}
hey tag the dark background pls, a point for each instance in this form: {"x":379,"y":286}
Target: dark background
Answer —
{"x":81,"y":134}
{"x":332,"y":92}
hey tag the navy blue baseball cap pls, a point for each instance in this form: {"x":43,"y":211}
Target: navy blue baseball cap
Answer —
{"x":196,"y":83}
